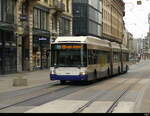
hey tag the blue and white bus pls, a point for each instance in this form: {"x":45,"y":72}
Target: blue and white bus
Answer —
{"x":84,"y":58}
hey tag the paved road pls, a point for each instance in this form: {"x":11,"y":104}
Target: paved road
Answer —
{"x":93,"y":98}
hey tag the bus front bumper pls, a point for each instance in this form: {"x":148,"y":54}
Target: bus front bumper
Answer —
{"x":69,"y":78}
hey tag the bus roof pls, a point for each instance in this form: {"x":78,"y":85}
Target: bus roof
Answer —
{"x":90,"y":40}
{"x":82,"y":39}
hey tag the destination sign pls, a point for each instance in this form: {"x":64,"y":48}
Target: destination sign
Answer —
{"x":68,"y":47}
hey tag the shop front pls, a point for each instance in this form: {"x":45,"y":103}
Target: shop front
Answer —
{"x":8,"y":52}
{"x":41,"y":46}
{"x":8,"y":46}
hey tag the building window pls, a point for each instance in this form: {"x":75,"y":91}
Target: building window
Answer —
{"x":35,"y":19}
{"x":7,"y":11}
{"x":24,"y":12}
{"x":0,"y":10}
{"x":45,"y":21}
{"x":40,"y":20}
{"x":64,"y":27}
{"x":54,"y":23}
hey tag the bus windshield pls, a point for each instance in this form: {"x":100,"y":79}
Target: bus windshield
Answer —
{"x":68,"y":55}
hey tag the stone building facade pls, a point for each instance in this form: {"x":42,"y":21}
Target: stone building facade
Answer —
{"x":113,"y":24}
{"x":35,"y":24}
{"x":125,"y":37}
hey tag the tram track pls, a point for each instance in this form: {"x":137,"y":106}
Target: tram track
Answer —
{"x":94,"y":98}
{"x":24,"y":95}
{"x":54,"y":94}
{"x":8,"y":95}
{"x":123,"y":93}
{"x":7,"y":106}
{"x":47,"y":96}
{"x":116,"y":101}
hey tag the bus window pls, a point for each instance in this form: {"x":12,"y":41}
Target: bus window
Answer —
{"x":95,"y":56}
{"x":85,"y":55}
{"x":68,"y":55}
{"x":116,"y":57}
{"x":125,"y":57}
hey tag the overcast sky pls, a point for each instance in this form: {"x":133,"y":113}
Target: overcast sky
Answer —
{"x":136,"y":18}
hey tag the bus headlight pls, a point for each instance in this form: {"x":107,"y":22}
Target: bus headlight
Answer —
{"x":53,"y":72}
{"x":83,"y":73}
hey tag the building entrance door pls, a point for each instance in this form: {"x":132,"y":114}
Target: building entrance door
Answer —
{"x":45,"y":46}
{"x":40,"y":57}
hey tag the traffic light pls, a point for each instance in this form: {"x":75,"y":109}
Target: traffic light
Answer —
{"x":139,"y":2}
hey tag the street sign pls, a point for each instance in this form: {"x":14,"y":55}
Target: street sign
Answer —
{"x":23,"y":17}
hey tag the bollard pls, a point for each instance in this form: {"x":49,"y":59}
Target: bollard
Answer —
{"x":20,"y":81}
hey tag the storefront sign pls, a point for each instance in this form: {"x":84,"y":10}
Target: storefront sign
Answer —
{"x":42,"y":39}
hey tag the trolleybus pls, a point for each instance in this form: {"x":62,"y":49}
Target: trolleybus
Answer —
{"x":86,"y":58}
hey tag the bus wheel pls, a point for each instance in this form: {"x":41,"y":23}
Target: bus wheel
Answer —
{"x":62,"y":82}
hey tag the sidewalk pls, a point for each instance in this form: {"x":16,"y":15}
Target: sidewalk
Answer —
{"x":34,"y":79}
